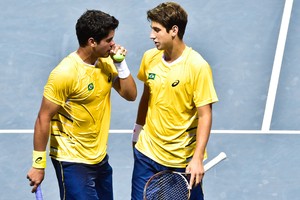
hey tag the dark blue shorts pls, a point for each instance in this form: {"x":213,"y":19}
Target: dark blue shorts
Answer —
{"x":79,"y":181}
{"x":144,"y":168}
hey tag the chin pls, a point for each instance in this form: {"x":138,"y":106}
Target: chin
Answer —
{"x":158,"y":47}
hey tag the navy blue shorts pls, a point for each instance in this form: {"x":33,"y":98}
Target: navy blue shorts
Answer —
{"x":78,"y":181}
{"x":144,"y":168}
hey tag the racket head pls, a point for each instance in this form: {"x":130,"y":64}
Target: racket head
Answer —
{"x":167,"y":185}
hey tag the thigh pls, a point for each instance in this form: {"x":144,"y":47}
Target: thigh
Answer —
{"x":77,"y":181}
{"x":104,"y":181}
{"x":197,"y":193}
{"x":59,"y":176}
{"x":143,"y":169}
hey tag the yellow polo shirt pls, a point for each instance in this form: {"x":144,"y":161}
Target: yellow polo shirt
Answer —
{"x":79,"y":131}
{"x":176,"y":90}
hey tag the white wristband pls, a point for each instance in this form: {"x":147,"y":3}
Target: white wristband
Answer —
{"x":136,"y":132}
{"x":122,"y":68}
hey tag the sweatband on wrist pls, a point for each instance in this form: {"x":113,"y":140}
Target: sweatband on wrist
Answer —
{"x":136,"y":132}
{"x":122,"y":68}
{"x":39,"y":159}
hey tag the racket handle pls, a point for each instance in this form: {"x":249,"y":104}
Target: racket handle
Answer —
{"x":38,"y":193}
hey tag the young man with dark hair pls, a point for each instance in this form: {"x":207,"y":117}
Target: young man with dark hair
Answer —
{"x":75,"y":111}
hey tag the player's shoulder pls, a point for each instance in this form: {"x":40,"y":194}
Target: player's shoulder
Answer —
{"x":195,"y":55}
{"x":67,"y":66}
{"x":69,"y":61}
{"x":195,"y":58}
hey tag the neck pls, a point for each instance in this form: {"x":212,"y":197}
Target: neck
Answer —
{"x":174,"y":52}
{"x":86,"y":55}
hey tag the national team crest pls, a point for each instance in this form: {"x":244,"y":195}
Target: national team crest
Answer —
{"x":151,"y":76}
{"x":90,"y":86}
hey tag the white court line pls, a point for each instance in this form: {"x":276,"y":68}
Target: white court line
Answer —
{"x":277,"y":65}
{"x":128,"y":131}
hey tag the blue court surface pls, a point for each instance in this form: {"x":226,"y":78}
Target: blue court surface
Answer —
{"x":253,"y":48}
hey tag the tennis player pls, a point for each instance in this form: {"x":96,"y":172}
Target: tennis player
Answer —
{"x":76,"y":109}
{"x":175,"y":111}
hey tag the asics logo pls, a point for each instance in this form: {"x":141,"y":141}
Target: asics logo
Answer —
{"x":175,"y":83}
{"x":38,"y":160}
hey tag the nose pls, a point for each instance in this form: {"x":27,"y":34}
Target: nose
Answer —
{"x":112,"y":43}
{"x":152,"y":35}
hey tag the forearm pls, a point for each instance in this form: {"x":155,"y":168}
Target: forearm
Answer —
{"x":42,"y":124}
{"x":141,"y":114}
{"x":203,"y":132}
{"x":126,"y":87}
{"x":41,"y":134}
{"x":124,"y":83}
{"x":37,"y":172}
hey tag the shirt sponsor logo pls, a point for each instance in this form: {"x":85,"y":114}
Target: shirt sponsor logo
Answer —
{"x":151,"y":76}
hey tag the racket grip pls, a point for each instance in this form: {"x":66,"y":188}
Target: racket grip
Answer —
{"x":38,"y":193}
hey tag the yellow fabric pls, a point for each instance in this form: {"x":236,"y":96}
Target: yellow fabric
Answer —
{"x":176,"y":90}
{"x":79,"y":131}
{"x":39,"y":159}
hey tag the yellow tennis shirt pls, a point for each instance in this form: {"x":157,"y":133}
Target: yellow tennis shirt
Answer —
{"x":176,"y":90}
{"x":79,"y":131}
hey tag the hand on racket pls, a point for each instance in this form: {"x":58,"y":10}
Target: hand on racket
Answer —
{"x":35,"y":177}
{"x":196,"y":178}
{"x":170,"y":185}
{"x":195,"y":171}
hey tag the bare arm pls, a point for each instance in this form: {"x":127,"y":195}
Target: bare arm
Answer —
{"x":40,"y":138}
{"x":143,"y":108}
{"x":42,"y":124}
{"x":195,"y":167}
{"x":126,"y":87}
{"x":124,"y":83}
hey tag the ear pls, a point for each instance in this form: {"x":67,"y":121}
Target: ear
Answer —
{"x":174,"y":30}
{"x":92,"y":42}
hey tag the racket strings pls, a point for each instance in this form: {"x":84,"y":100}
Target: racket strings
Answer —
{"x":169,"y":186}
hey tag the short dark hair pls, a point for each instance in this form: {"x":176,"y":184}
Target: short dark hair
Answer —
{"x":169,"y":14}
{"x":95,"y":24}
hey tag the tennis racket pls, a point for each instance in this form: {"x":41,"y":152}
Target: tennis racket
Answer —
{"x":170,"y":185}
{"x":38,"y":193}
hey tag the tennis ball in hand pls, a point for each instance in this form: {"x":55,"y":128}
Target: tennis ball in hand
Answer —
{"x":118,"y":57}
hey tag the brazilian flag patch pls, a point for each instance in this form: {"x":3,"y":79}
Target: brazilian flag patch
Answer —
{"x":90,"y":86}
{"x":151,"y":76}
